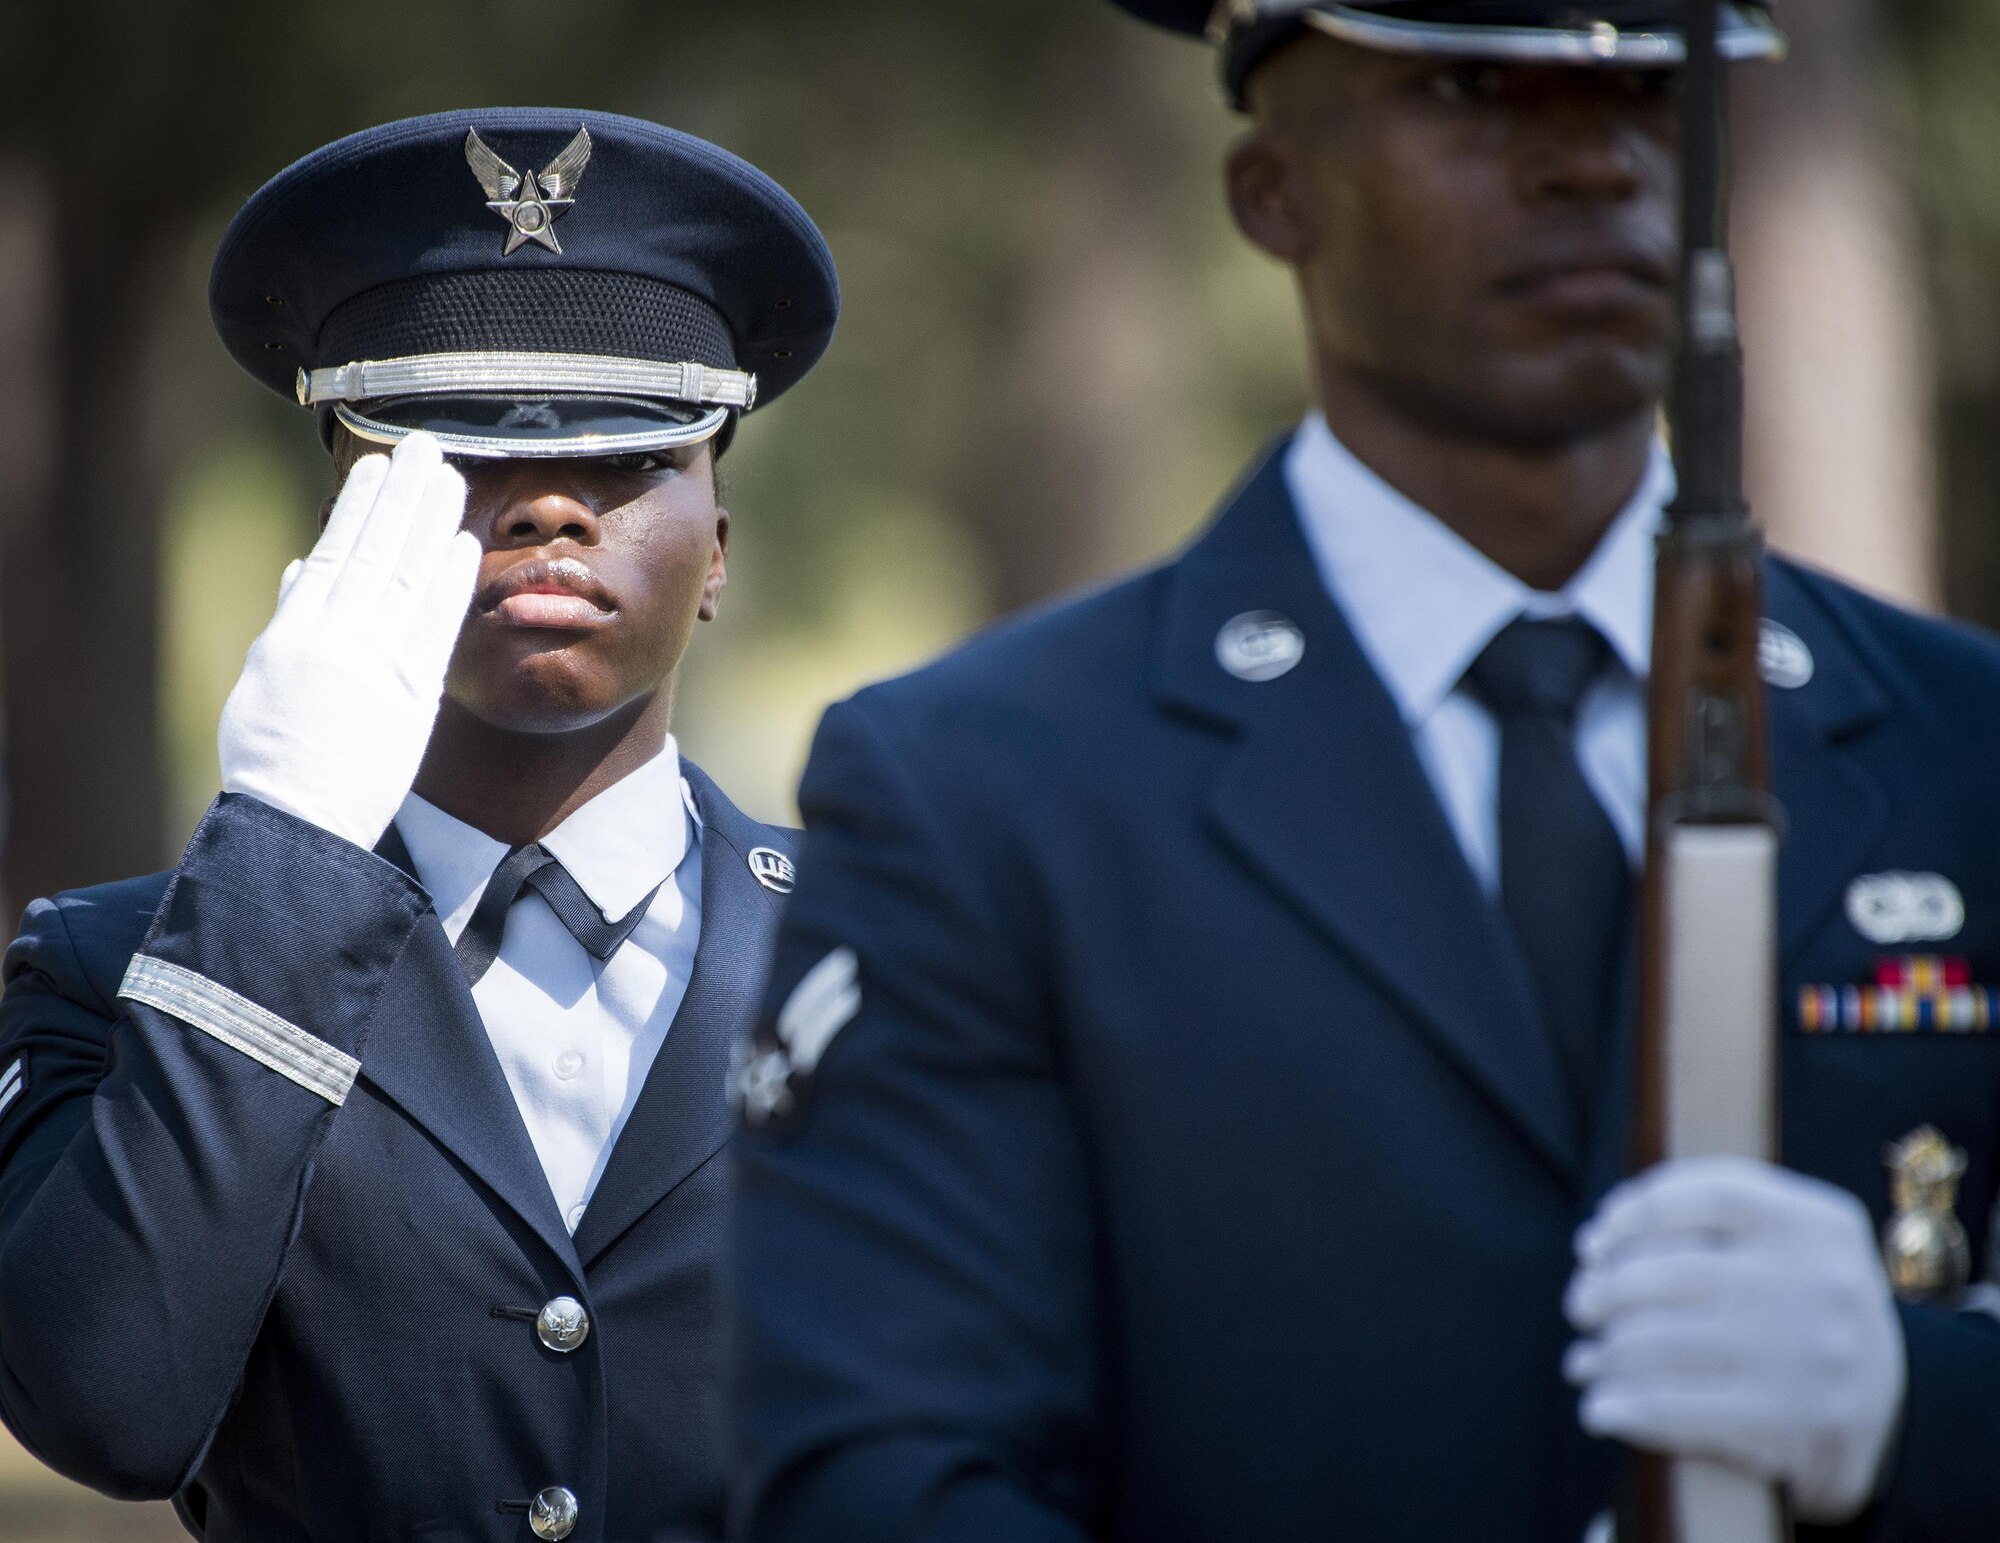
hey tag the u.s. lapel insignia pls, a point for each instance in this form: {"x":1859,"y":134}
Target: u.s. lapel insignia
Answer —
{"x":772,"y":869}
{"x":1783,"y":658}
{"x":1891,"y":909}
{"x":530,"y":202}
{"x":1260,"y":646}
{"x":1924,"y":1245}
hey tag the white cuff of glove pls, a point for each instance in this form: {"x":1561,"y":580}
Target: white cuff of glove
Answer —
{"x":1741,"y":1313}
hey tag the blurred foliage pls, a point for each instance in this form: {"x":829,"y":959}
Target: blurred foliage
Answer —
{"x":235,"y":517}
{"x":1950,"y":99}
{"x":1055,"y":352}
{"x":1024,"y":204}
{"x":1947,"y":74}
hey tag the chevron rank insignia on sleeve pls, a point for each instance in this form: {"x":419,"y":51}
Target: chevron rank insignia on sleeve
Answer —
{"x":774,"y":1063}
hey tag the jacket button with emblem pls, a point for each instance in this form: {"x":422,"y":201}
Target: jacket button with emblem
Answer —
{"x":563,"y":1325}
{"x":552,"y":1516}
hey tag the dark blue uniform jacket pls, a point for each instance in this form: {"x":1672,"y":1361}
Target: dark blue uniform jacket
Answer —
{"x":299,"y":1298}
{"x":1195,"y":1166}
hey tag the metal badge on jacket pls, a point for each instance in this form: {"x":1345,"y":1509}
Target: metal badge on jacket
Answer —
{"x":1923,"y":1245}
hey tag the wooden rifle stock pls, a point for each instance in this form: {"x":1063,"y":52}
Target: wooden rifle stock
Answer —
{"x":1708,"y":1043}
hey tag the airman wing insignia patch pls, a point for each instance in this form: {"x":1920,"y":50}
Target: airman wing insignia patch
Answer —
{"x":775,"y":1062}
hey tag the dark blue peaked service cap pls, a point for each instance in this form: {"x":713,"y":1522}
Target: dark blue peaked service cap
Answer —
{"x":526,"y":282}
{"x":1624,"y":33}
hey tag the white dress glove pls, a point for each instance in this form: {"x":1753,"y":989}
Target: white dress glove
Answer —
{"x":1741,"y":1313}
{"x":331,"y":717}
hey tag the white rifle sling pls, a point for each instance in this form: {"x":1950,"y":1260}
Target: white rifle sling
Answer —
{"x":1720,"y":1064}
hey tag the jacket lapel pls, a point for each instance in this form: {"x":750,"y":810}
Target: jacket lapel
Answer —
{"x":428,"y":1052}
{"x":1325,"y":801}
{"x":682,"y":1117}
{"x":1836,"y":808}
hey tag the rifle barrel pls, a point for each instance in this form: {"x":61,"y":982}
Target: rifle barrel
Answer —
{"x":1709,"y":943}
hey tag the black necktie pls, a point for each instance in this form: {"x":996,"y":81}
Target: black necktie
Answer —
{"x":534,"y":867}
{"x":1564,"y":878}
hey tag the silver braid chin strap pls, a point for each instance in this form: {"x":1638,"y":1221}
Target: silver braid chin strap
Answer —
{"x":503,"y":374}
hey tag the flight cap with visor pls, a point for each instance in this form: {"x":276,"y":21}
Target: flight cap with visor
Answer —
{"x":525,"y":282}
{"x":1621,"y":34}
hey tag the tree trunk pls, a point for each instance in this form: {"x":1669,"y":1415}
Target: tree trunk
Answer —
{"x":79,"y":569}
{"x":1088,"y":392}
{"x":124,"y":148}
{"x":27,"y":281}
{"x":1841,"y":460}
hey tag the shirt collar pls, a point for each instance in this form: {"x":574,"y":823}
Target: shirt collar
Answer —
{"x":1424,"y":602}
{"x":619,"y":847}
{"x":627,"y":841}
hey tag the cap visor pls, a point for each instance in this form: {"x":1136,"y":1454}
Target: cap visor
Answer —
{"x":541,"y":428}
{"x":1747,"y":34}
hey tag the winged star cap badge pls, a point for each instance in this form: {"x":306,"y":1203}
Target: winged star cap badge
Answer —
{"x":530,"y":202}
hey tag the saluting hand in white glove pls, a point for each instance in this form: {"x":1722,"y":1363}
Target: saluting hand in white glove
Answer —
{"x":1741,"y":1313}
{"x":335,"y":706}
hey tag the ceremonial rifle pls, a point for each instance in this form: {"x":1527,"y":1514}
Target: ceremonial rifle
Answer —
{"x":1708,"y":1035}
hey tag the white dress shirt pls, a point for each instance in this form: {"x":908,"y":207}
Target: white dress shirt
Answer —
{"x":1424,"y":604}
{"x":576,"y":1037}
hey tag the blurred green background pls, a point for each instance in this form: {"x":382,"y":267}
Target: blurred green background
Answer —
{"x":1055,"y":353}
